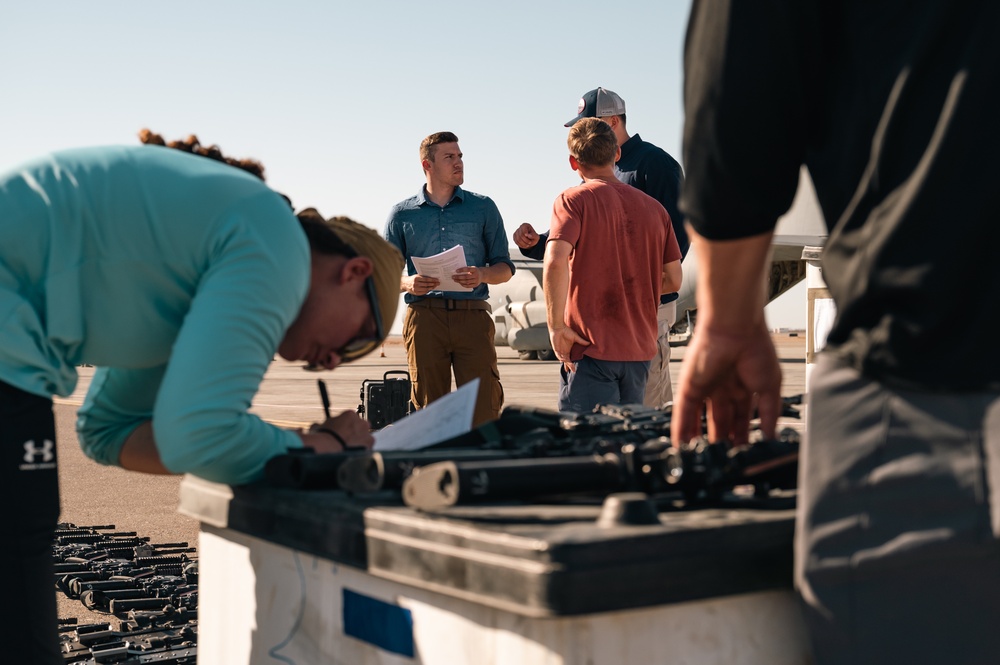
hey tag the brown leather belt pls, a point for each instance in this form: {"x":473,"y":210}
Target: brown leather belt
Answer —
{"x":451,"y":304}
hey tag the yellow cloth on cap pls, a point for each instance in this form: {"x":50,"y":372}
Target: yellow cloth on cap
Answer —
{"x":386,"y":260}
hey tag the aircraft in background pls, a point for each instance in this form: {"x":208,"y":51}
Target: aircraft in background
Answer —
{"x":519,"y":304}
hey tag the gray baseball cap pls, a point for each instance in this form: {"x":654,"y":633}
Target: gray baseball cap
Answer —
{"x":598,"y":103}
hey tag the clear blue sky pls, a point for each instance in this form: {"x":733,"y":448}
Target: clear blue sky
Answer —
{"x":334,"y":97}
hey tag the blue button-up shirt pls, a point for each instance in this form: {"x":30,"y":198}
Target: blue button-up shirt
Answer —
{"x":420,"y":227}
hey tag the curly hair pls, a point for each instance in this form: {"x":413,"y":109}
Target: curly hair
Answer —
{"x":193,"y":145}
{"x":322,"y":238}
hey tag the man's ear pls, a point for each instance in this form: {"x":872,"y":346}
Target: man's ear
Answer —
{"x":573,"y":164}
{"x":356,"y":268}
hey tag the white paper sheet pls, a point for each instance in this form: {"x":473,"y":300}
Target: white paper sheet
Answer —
{"x":442,"y":419}
{"x":442,"y":266}
{"x":824,"y":313}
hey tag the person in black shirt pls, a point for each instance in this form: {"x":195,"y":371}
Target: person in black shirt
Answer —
{"x":890,"y":105}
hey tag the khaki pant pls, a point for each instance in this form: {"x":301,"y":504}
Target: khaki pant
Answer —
{"x":658,"y":388}
{"x":438,"y":340}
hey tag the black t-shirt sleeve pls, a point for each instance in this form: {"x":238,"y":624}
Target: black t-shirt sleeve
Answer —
{"x":663,"y":183}
{"x":538,"y":250}
{"x":746,"y":70}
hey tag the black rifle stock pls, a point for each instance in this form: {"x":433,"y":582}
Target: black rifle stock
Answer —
{"x":305,"y":470}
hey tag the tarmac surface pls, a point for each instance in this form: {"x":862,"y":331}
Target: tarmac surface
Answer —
{"x":289,"y":397}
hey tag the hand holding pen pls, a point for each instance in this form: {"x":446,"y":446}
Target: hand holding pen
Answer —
{"x":324,"y":397}
{"x":349,"y":430}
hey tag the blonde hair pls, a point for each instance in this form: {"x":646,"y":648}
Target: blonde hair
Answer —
{"x":592,"y":142}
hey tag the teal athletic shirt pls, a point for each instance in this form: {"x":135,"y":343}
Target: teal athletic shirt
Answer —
{"x":175,"y":275}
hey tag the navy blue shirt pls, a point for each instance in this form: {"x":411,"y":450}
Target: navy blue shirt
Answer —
{"x":652,"y":170}
{"x":420,"y":227}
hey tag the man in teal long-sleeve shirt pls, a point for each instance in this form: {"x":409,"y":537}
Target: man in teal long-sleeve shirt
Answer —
{"x":179,"y":277}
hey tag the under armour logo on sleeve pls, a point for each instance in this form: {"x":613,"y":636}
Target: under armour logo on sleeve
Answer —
{"x":38,"y":457}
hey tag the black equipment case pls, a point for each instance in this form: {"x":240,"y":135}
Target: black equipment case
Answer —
{"x":385,"y":401}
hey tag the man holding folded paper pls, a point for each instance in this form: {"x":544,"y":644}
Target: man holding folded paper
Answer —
{"x":455,"y":245}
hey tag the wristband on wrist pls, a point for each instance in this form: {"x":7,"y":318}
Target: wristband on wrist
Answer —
{"x":327,"y":430}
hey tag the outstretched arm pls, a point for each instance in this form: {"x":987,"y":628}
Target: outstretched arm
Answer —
{"x":531,"y":243}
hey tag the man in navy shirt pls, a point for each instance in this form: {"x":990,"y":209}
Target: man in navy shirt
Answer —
{"x":445,"y":329}
{"x":650,"y":170}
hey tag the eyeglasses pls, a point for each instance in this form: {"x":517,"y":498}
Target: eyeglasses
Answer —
{"x":360,"y":346}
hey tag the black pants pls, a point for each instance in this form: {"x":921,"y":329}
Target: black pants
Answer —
{"x":29,"y":496}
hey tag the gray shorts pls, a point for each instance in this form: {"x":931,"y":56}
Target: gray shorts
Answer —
{"x":602,"y":382}
{"x":897,"y":556}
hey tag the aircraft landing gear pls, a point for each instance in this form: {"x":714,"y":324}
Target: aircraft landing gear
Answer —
{"x":546,"y":354}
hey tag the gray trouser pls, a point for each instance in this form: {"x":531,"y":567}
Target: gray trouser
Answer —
{"x":658,"y":388}
{"x":897,"y":556}
{"x":596,"y":382}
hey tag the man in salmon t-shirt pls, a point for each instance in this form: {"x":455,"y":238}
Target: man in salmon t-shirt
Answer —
{"x":611,"y":253}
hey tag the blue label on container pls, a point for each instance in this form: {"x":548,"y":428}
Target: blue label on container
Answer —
{"x":377,"y":622}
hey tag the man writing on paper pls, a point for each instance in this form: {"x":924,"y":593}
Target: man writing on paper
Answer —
{"x":445,"y":329}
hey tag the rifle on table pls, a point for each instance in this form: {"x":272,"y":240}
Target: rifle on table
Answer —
{"x":519,"y":432}
{"x":535,"y":452}
{"x":700,"y":471}
{"x":529,"y":434}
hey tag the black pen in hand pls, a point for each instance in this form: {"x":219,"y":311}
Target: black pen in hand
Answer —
{"x":325,"y":396}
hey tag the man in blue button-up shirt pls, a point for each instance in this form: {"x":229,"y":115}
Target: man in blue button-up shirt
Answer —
{"x":445,"y":329}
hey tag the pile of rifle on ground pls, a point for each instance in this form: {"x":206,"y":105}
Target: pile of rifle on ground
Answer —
{"x":148,"y":591}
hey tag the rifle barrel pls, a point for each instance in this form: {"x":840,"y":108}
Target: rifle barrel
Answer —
{"x":387,"y":470}
{"x":449,"y":483}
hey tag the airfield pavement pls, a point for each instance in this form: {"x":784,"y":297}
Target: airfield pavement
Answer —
{"x":99,"y":495}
